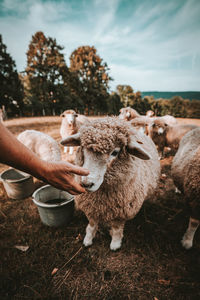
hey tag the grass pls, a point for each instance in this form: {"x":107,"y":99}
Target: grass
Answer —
{"x":150,"y":265}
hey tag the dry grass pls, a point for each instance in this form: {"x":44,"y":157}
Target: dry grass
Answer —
{"x":150,"y":265}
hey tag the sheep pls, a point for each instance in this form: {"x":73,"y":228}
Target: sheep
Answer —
{"x":128,"y":113}
{"x":124,"y":170}
{"x":41,"y":144}
{"x":164,"y":135}
{"x":150,"y":113}
{"x":169,"y":120}
{"x":186,"y":175}
{"x":70,"y":124}
{"x":141,"y":124}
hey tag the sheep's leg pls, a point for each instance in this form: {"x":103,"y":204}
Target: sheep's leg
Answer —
{"x":65,"y":149}
{"x":188,"y":237}
{"x":116,"y":233}
{"x":90,"y":233}
{"x":71,"y":150}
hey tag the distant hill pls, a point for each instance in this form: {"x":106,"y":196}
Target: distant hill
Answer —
{"x":169,"y":95}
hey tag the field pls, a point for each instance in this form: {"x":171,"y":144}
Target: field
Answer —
{"x":150,"y":265}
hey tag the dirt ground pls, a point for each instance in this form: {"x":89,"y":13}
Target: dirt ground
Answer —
{"x":150,"y":265}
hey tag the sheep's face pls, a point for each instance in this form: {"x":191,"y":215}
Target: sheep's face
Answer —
{"x":99,"y":150}
{"x":157,"y":128}
{"x":70,"y":116}
{"x":97,"y":164}
{"x":125,"y":114}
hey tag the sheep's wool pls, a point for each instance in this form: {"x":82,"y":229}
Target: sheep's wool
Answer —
{"x":102,"y":135}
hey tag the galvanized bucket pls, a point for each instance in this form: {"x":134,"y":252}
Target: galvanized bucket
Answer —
{"x":18,"y":185}
{"x":55,"y":207}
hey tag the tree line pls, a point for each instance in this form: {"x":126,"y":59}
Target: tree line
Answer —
{"x":48,"y":85}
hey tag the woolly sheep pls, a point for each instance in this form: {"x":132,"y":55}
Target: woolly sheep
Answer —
{"x":128,"y":113}
{"x":124,"y":170}
{"x":70,"y":124}
{"x":186,"y":176}
{"x":164,"y":135}
{"x":42,"y":144}
{"x":150,"y":113}
{"x":169,"y":120}
{"x":141,"y":124}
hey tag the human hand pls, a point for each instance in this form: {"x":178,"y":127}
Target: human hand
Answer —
{"x":60,"y":175}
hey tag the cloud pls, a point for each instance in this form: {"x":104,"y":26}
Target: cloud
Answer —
{"x":149,"y":44}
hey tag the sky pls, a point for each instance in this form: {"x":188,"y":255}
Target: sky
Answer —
{"x":152,"y":45}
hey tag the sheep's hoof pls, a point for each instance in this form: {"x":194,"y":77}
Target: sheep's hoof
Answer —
{"x":87,"y":242}
{"x":187,"y":244}
{"x":115,"y":245}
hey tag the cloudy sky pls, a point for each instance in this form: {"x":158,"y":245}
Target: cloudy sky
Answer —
{"x":148,"y":44}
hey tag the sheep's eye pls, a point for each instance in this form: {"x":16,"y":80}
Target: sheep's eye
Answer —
{"x":114,"y":153}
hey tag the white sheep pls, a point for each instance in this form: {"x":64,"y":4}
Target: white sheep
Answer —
{"x":169,"y":120}
{"x":70,"y":124}
{"x":141,"y":124}
{"x":128,"y":113}
{"x":124,"y":170}
{"x":41,"y":144}
{"x":150,"y":113}
{"x":186,"y":176}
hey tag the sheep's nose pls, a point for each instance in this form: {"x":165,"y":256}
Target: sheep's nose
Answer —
{"x":87,"y":185}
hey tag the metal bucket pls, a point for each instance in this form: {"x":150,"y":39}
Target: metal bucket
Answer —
{"x":55,"y":207}
{"x":18,"y":185}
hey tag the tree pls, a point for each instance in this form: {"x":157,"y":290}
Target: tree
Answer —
{"x":113,"y":104}
{"x":93,"y":77}
{"x":11,"y":91}
{"x":126,"y":94}
{"x":47,"y":73}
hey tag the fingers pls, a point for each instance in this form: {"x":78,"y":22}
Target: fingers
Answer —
{"x":76,"y":188}
{"x":78,"y":170}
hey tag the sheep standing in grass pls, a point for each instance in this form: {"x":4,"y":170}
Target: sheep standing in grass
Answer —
{"x":41,"y":144}
{"x":164,"y":135}
{"x":186,"y":176}
{"x":128,"y":113}
{"x":70,"y":125}
{"x":124,"y":170}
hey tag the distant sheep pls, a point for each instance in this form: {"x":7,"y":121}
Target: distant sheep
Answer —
{"x":124,"y":171}
{"x":41,"y":144}
{"x":169,"y":120}
{"x":128,"y":113}
{"x":150,"y":113}
{"x":141,"y":124}
{"x":164,"y":135}
{"x":186,"y":176}
{"x":70,"y":124}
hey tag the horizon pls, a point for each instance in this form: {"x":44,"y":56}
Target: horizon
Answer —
{"x":149,"y":45}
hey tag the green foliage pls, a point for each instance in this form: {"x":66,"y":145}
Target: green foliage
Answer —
{"x":134,"y":100}
{"x":49,"y":86}
{"x":177,"y":106}
{"x":113,"y":104}
{"x":47,"y":74}
{"x":93,"y":77}
{"x":11,"y":91}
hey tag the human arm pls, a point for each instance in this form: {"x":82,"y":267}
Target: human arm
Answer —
{"x":58,"y":174}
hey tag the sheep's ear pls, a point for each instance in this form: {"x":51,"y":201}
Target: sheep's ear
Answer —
{"x":72,"y":140}
{"x":135,"y":148}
